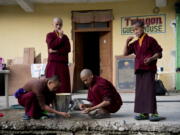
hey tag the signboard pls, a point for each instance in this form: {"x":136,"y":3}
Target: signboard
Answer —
{"x":125,"y":77}
{"x":153,"y":23}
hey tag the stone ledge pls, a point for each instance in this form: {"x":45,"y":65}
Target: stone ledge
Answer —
{"x":72,"y":126}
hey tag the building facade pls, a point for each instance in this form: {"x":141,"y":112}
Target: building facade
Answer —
{"x":104,"y":38}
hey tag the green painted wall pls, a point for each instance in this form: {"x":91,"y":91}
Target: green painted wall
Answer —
{"x":178,"y":50}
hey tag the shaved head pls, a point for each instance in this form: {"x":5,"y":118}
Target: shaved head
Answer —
{"x":86,"y":76}
{"x":53,"y":83}
{"x":139,"y":23}
{"x":57,"y":23}
{"x":86,"y":72}
{"x":57,"y":19}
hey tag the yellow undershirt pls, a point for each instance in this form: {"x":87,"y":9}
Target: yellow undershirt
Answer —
{"x":141,"y":39}
{"x":57,"y":33}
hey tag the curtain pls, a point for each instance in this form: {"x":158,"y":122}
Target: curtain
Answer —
{"x":92,"y":16}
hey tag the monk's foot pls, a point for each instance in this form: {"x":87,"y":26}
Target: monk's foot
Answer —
{"x":26,"y":117}
{"x":102,"y":116}
{"x":99,"y":114}
{"x":156,"y":117}
{"x":93,"y":113}
{"x":44,"y":117}
{"x":142,"y":117}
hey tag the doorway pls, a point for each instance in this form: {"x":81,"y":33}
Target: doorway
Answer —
{"x":92,"y":44}
{"x":92,"y":51}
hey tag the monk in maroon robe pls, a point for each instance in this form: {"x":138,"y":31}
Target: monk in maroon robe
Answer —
{"x":147,"y":51}
{"x":58,"y":49}
{"x":102,"y":95}
{"x":37,"y":95}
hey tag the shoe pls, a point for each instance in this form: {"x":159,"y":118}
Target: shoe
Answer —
{"x":93,"y":113}
{"x":142,"y":117}
{"x":26,"y":117}
{"x":102,"y":116}
{"x":156,"y":117}
{"x":44,"y":117}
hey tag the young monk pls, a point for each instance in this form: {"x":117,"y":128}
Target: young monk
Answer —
{"x":147,"y":51}
{"x":37,"y":95}
{"x":58,"y":50}
{"x":103,"y":96}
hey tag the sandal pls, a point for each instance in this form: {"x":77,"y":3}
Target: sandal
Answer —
{"x":156,"y":117}
{"x":142,"y":117}
{"x":26,"y":117}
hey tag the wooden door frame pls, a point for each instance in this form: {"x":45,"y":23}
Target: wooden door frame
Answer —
{"x":109,"y":29}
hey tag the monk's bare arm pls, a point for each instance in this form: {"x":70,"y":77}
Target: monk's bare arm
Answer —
{"x":126,"y":49}
{"x":51,"y":110}
{"x":129,"y":39}
{"x":101,"y":105}
{"x":88,"y":105}
{"x":41,"y":100}
{"x":83,"y":106}
{"x":52,"y":51}
{"x":156,"y":56}
{"x":153,"y":58}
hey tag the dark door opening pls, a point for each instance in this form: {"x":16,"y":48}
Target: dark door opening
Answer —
{"x":87,"y":55}
{"x":91,"y":51}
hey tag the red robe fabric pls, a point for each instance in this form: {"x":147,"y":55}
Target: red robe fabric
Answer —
{"x":58,"y":62}
{"x":30,"y":103}
{"x":101,"y":90}
{"x":145,"y":96}
{"x":148,"y":48}
{"x":35,"y":96}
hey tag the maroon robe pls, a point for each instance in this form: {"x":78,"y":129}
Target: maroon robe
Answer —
{"x":102,"y":90}
{"x":145,"y":97}
{"x":148,"y":48}
{"x":36,"y":96}
{"x":58,"y":62}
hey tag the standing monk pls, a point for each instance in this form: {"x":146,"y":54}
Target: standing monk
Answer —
{"x":58,"y":49}
{"x":147,"y":51}
{"x":103,"y":96}
{"x":37,"y":95}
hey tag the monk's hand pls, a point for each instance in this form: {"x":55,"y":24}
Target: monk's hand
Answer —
{"x":129,"y":39}
{"x":52,"y":51}
{"x":66,"y":115}
{"x":82,"y":106}
{"x":61,"y":33}
{"x":147,"y":61}
{"x":87,"y":110}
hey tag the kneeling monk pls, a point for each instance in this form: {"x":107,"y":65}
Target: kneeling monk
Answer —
{"x":37,"y":95}
{"x":103,"y":96}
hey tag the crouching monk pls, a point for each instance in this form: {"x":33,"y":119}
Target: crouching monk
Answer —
{"x":37,"y":95}
{"x":101,"y":93}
